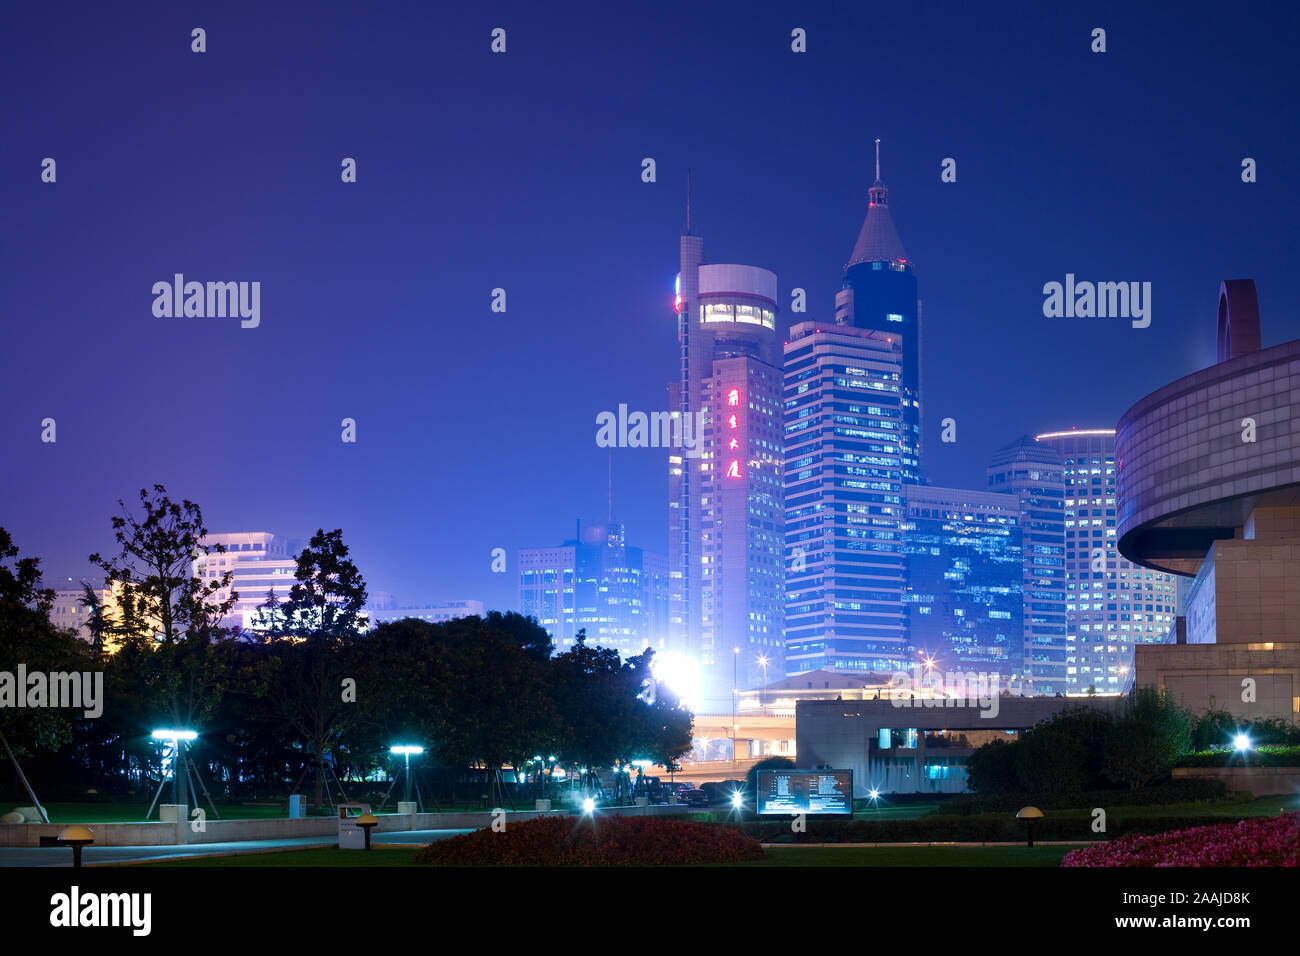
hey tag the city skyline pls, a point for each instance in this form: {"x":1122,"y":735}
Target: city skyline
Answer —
{"x":369,"y":286}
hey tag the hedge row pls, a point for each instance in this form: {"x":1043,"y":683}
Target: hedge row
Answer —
{"x":1259,"y":757}
{"x":937,"y":829}
{"x":1174,"y":791}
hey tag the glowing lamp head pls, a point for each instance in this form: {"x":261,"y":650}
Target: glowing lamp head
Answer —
{"x":408,"y":749}
{"x":174,"y":735}
{"x":737,"y":799}
{"x":1241,"y":742}
{"x":874,"y":794}
{"x":588,"y":806}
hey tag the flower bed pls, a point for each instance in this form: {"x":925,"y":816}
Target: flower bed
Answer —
{"x":603,"y":841}
{"x":1263,"y":841}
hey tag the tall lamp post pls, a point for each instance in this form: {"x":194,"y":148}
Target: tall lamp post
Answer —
{"x":406,"y":750}
{"x":176,"y":739}
{"x":762,"y":697}
{"x":735,"y":663}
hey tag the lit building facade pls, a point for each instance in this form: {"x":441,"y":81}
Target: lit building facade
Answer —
{"x":260,"y":562}
{"x":725,"y":496}
{"x":844,"y":567}
{"x":618,"y":594}
{"x":1112,"y":604}
{"x":879,"y":293}
{"x":965,"y":566}
{"x":1033,"y":473}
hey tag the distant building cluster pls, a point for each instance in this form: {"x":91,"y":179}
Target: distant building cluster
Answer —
{"x":804,"y":535}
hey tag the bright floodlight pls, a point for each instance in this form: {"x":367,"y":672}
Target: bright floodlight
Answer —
{"x":737,"y":799}
{"x":588,"y":805}
{"x":406,"y":749}
{"x":680,"y":673}
{"x":874,"y":794}
{"x":1241,"y":742}
{"x":174,"y":734}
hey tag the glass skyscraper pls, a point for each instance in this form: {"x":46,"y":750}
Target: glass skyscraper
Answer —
{"x":964,"y":602}
{"x":1111,"y":603}
{"x":725,"y":497}
{"x":843,"y":500}
{"x":1034,"y":474}
{"x":879,"y":293}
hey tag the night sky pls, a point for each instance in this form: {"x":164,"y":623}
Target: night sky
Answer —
{"x":477,"y":430}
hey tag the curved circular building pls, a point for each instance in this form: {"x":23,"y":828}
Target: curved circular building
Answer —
{"x":1209,"y":488}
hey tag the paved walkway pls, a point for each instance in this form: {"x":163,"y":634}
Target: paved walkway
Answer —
{"x":102,"y":855}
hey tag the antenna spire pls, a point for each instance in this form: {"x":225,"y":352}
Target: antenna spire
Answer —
{"x":877,"y":160}
{"x":688,"y":202}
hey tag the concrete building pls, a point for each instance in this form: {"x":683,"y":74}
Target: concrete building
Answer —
{"x":1032,"y":471}
{"x":921,"y":745}
{"x":69,"y":613}
{"x":1209,"y":488}
{"x":725,"y":497}
{"x":844,"y":568}
{"x":597,"y":582}
{"x":1112,"y":604}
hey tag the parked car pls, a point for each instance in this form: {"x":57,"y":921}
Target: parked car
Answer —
{"x":694,"y":797}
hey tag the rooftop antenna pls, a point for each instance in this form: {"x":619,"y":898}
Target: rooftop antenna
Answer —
{"x":688,"y":202}
{"x":877,"y":160}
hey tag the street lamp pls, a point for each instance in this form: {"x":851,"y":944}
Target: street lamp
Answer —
{"x":175,"y":737}
{"x":735,"y":663}
{"x":762,"y":697}
{"x":1241,"y":743}
{"x":407,"y":750}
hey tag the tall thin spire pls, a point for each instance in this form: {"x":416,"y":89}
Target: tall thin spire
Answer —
{"x":688,"y":203}
{"x":877,"y":160}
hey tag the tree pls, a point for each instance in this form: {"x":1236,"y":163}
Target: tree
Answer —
{"x":992,"y":767}
{"x":28,"y":637}
{"x":167,"y":667}
{"x":314,"y":638}
{"x":1148,"y":741}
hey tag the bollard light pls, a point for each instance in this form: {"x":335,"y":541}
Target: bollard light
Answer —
{"x":77,"y":836}
{"x":1030,"y":815}
{"x":367,"y":821}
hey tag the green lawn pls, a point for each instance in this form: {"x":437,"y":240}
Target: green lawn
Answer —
{"x":779,"y":856}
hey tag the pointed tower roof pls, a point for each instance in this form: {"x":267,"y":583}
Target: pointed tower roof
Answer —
{"x":878,"y":241}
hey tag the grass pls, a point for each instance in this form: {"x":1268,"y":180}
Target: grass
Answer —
{"x":885,"y":856}
{"x":1267,"y":806}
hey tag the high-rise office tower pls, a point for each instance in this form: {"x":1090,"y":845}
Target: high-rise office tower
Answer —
{"x":1111,"y":603}
{"x":1033,"y":472}
{"x":879,"y":292}
{"x":965,"y":605}
{"x":598,"y":583}
{"x":725,"y":495}
{"x":844,"y":569}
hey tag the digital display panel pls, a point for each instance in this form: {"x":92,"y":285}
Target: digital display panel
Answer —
{"x":805,"y":791}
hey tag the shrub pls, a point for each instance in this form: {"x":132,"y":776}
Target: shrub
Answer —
{"x":602,"y":841}
{"x":1263,"y":841}
{"x":1258,"y":757}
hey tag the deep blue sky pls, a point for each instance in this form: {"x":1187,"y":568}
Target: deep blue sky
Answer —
{"x":477,"y":430}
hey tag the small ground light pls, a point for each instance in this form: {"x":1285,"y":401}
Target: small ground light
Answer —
{"x":588,"y":805}
{"x":737,"y":799}
{"x":367,"y":821}
{"x":76,"y":836}
{"x":1241,"y":742}
{"x":874,"y":794}
{"x":1030,"y":815}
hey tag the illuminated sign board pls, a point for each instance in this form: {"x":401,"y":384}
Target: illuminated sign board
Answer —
{"x":805,"y":791}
